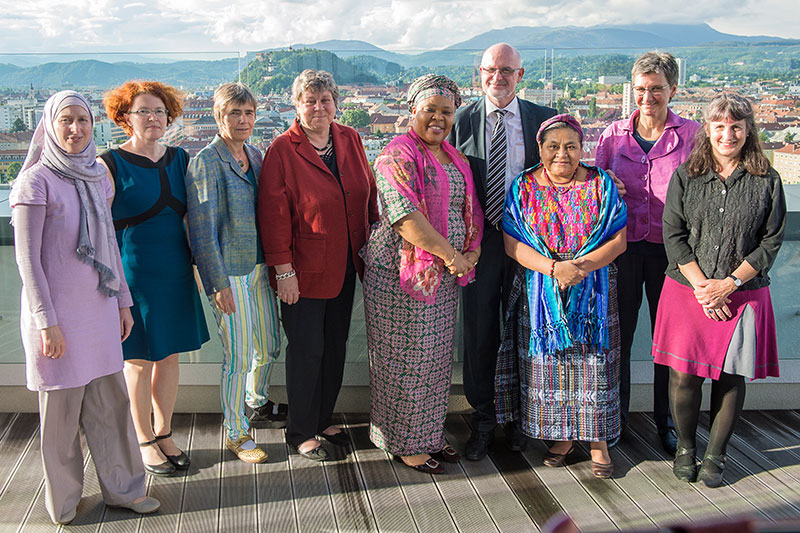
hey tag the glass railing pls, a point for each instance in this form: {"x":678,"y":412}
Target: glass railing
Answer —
{"x":558,"y":78}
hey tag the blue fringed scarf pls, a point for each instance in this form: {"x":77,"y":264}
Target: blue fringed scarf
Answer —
{"x":554,"y":328}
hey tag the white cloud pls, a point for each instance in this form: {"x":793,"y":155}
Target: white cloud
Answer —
{"x":204,"y":25}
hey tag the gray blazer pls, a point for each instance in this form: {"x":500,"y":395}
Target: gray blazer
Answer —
{"x":469,"y":136}
{"x":221,"y":214}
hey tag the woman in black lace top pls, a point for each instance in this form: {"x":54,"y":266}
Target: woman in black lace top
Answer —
{"x":724,"y":219}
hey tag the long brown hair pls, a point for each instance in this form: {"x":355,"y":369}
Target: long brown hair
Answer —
{"x":728,"y":106}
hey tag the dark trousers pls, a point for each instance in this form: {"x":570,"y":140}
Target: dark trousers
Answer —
{"x":642,"y":264}
{"x":317,"y":333}
{"x":483,"y":301}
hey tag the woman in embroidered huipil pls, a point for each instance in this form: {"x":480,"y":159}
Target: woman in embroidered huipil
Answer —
{"x":724,"y":219}
{"x":558,"y":366}
{"x":148,"y":209}
{"x":426,"y":243}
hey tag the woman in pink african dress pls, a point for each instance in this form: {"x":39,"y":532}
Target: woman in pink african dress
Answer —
{"x":426,"y":243}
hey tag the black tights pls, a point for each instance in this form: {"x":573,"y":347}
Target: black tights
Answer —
{"x":727,"y":400}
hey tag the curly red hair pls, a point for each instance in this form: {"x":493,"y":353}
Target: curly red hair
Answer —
{"x":118,"y":101}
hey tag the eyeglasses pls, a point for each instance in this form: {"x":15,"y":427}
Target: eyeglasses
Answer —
{"x":654,"y":90}
{"x":505,"y":71}
{"x":160,"y":112}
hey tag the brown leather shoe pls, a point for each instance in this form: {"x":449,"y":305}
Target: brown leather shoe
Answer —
{"x":602,"y":470}
{"x":555,"y":460}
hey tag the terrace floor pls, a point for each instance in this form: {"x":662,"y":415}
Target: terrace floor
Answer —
{"x":364,"y":490}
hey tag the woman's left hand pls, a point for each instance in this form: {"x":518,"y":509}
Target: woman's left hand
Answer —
{"x":125,"y":323}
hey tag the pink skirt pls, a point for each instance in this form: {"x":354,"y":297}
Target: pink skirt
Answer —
{"x":688,"y":341}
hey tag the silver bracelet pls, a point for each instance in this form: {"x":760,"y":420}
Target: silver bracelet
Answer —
{"x":285,"y":275}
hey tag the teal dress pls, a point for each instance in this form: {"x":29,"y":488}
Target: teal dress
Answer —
{"x":148,"y":209}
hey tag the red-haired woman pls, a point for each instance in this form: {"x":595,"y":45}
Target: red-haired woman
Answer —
{"x":149,"y":205}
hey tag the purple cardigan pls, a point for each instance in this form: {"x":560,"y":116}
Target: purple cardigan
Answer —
{"x":646,"y":176}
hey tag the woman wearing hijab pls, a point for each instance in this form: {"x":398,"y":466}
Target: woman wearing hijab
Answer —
{"x":558,"y":366}
{"x":75,"y":312}
{"x":426,"y":243}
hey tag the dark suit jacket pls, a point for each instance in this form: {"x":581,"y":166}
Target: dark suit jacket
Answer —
{"x":469,"y":134}
{"x":306,"y":217}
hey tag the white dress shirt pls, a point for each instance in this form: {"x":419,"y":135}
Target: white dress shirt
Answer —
{"x":515,"y":142}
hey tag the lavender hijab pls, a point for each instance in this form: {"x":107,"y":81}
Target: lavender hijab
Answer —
{"x":97,"y":244}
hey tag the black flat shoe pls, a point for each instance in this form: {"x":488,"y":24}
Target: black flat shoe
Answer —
{"x":337,"y":439}
{"x":711,"y":471}
{"x":164,"y":469}
{"x":687,"y":470}
{"x":317,"y":454}
{"x":431,"y":466}
{"x":268,"y":416}
{"x":181,"y":461}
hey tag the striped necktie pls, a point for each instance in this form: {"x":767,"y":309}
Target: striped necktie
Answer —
{"x":496,"y":171}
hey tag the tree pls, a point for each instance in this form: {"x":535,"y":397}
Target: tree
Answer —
{"x":593,"y":107}
{"x":788,"y":138}
{"x":355,"y":118}
{"x":18,"y":125}
{"x":763,"y":136}
{"x":12,"y":171}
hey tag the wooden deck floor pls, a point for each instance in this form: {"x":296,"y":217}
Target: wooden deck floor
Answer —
{"x":366,"y":491}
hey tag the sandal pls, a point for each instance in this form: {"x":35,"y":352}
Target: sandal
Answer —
{"x":164,"y":469}
{"x":431,"y":466}
{"x":556,"y":460}
{"x":181,"y":461}
{"x":685,"y":472}
{"x":448,"y":454}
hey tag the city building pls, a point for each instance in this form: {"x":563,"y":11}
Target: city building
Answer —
{"x":786,"y":161}
{"x":681,"y":71}
{"x":611,"y":80}
{"x":628,"y":103}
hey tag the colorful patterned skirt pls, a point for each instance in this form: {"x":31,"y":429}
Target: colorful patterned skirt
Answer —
{"x":411,"y":358}
{"x":568,"y":395}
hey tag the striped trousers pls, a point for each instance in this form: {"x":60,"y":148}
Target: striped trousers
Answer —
{"x":250,"y":344}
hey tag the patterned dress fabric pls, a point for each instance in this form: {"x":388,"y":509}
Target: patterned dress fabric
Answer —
{"x":571,"y":394}
{"x":410,"y":342}
{"x":148,"y":210}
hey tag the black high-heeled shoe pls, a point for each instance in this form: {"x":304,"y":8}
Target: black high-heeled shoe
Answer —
{"x":712,"y":469}
{"x":164,"y":469}
{"x":685,"y":472}
{"x":180,"y":461}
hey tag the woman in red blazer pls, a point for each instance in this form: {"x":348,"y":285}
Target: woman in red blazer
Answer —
{"x":316,"y":201}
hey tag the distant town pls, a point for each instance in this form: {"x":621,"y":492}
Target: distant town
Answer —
{"x":379,"y":112}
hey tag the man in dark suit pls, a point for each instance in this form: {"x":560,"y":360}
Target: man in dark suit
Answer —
{"x":498,"y":135}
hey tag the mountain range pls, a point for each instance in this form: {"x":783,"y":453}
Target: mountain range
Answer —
{"x":63,"y":71}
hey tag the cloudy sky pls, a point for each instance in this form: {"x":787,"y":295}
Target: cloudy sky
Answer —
{"x":50,"y":26}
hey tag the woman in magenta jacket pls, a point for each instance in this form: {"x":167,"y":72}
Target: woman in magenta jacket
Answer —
{"x":643,"y":151}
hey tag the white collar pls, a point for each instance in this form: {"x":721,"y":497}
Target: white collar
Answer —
{"x":512,"y":108}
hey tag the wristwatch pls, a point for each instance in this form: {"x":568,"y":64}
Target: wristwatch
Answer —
{"x":736,"y":281}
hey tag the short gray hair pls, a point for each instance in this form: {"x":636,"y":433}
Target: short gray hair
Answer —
{"x":656,"y":62}
{"x":316,"y":81}
{"x":227,"y":93}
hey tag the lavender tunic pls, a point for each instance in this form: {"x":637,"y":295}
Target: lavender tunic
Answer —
{"x":62,"y":290}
